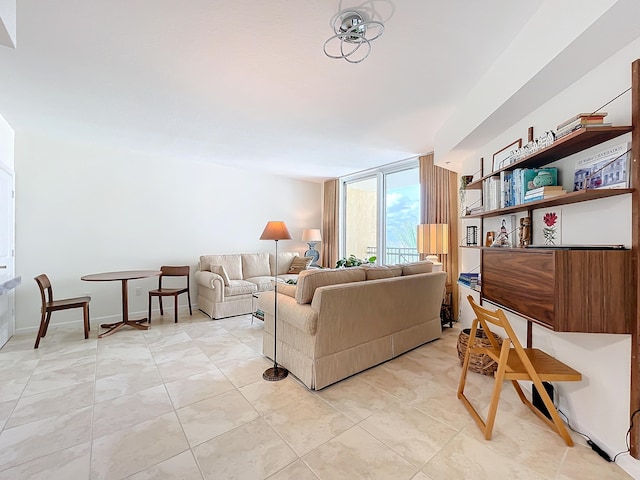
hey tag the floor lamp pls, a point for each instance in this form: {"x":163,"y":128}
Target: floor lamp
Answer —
{"x":275,"y":231}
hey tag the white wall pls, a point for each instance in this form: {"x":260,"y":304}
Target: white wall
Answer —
{"x":599,"y":405}
{"x":6,"y":143}
{"x":84,"y":209}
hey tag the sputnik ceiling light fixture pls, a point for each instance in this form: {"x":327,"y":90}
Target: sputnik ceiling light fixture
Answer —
{"x":353,"y":36}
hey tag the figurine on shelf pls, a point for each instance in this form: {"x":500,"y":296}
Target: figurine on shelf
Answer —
{"x":525,"y":232}
{"x":502,"y":240}
{"x":489,"y":239}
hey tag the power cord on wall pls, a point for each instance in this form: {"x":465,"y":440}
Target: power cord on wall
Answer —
{"x":627,"y":436}
{"x":595,"y":447}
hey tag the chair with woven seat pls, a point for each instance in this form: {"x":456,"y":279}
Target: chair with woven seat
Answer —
{"x":515,"y":363}
{"x":171,"y":271}
{"x":50,"y":305}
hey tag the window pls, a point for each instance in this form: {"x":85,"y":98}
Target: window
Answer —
{"x":381,"y":209}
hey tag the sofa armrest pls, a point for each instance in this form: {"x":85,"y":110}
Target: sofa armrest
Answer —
{"x":212,"y":281}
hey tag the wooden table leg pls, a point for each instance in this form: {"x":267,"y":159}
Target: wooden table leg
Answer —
{"x":114,"y":327}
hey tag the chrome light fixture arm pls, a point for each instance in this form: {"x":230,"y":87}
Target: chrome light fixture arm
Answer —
{"x":351,"y":28}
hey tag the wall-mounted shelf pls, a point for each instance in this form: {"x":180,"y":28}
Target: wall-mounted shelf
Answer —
{"x":566,"y":199}
{"x":573,"y":143}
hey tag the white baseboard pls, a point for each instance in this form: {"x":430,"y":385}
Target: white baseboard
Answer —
{"x":100,"y":320}
{"x":629,"y":465}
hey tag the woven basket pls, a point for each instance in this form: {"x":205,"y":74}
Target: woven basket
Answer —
{"x":479,"y":363}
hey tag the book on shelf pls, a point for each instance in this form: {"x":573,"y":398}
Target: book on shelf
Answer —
{"x":584,"y":117}
{"x":545,"y":189}
{"x":544,"y":196}
{"x":506,"y":184}
{"x":606,"y":169}
{"x":525,"y":179}
{"x":491,"y":192}
{"x":470,"y":280}
{"x":566,"y":131}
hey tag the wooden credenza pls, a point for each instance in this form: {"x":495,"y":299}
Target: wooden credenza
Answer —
{"x":566,"y":290}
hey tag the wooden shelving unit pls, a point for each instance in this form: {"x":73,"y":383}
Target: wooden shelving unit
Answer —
{"x":575,"y":142}
{"x":563,"y":267}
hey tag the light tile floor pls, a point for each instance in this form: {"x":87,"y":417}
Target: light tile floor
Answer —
{"x":188,"y":401}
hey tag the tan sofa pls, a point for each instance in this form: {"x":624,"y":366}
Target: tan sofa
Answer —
{"x":335,"y":323}
{"x":226,"y":283}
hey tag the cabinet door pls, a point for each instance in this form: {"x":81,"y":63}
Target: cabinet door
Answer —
{"x":522,"y":281}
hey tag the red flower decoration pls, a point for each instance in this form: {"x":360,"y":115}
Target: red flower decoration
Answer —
{"x":550,"y":219}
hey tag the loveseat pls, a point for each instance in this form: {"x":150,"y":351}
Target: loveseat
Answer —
{"x":338,"y":322}
{"x":226,"y":283}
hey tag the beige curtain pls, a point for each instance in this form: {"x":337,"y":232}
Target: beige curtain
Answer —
{"x":330,"y":216}
{"x":439,"y":204}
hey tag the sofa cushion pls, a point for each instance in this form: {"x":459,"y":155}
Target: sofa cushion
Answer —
{"x":220,"y":270}
{"x":375,"y":272}
{"x":240,"y":287}
{"x":231,"y":263}
{"x":263,"y":283}
{"x":413,"y":268}
{"x":309,"y":280}
{"x":284,"y":262}
{"x":255,"y":265}
{"x":299,"y":264}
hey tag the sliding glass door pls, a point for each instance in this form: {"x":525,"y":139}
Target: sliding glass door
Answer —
{"x":381,"y":209}
{"x":402,"y":215}
{"x":361,"y":217}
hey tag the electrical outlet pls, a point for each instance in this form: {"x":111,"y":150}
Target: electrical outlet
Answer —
{"x":138,"y":291}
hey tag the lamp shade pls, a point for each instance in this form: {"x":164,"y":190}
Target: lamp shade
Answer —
{"x":275,"y":231}
{"x":311,"y":235}
{"x":433,"y":238}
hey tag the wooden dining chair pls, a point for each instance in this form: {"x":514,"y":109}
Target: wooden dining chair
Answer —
{"x":50,"y":305}
{"x":171,"y":271}
{"x":515,"y":363}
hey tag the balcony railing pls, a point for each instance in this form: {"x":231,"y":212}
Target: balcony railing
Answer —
{"x":396,"y":254}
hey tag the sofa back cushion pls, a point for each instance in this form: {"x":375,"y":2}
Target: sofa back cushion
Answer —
{"x":424,"y":266}
{"x":255,"y":265}
{"x":284,"y":262}
{"x":376,"y":272}
{"x":231,"y":263}
{"x":309,"y":280}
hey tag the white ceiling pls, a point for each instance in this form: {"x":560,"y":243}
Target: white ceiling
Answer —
{"x":245,"y":82}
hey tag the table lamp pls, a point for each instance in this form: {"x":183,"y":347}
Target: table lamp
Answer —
{"x":275,"y":231}
{"x":433,"y":240}
{"x":312,"y":236}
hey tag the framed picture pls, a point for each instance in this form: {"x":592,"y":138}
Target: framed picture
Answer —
{"x":547,"y":224}
{"x":605,"y":169}
{"x":502,"y":156}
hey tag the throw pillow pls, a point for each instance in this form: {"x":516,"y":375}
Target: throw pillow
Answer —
{"x":219,"y":269}
{"x":299,"y":264}
{"x":414,"y":268}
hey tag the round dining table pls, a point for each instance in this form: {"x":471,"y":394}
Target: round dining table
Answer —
{"x":124,"y":277}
